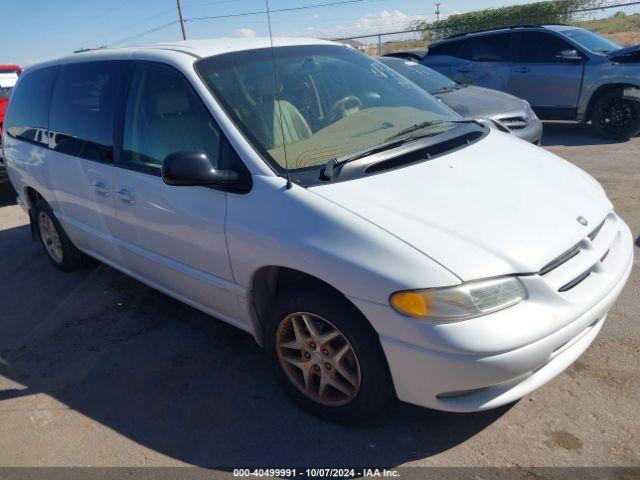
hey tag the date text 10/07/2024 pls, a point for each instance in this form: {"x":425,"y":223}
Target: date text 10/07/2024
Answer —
{"x":316,"y":472}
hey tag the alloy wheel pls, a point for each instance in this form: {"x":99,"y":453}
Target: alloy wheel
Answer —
{"x":619,"y":116}
{"x":50,"y":237}
{"x":318,"y":359}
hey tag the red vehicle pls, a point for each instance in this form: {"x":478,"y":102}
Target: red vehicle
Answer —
{"x":8,"y":77}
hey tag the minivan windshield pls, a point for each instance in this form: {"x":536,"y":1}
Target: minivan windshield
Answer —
{"x":331,"y":102}
{"x":591,"y":41}
{"x":426,"y":78}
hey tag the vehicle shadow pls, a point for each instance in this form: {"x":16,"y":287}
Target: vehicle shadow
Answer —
{"x":179,"y":382}
{"x":571,"y":134}
{"x":7,"y":193}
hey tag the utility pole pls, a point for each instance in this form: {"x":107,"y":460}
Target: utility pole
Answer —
{"x":184,"y":32}
{"x":437,"y":11}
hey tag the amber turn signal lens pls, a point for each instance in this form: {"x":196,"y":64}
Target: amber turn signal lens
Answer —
{"x":410,"y":303}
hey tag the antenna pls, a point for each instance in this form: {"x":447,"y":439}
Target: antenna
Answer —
{"x":184,"y":33}
{"x":276,"y":96}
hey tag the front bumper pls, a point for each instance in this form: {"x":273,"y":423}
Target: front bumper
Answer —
{"x":490,"y":361}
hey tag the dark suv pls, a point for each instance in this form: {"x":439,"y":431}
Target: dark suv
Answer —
{"x":565,"y":73}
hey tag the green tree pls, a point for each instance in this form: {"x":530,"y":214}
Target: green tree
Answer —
{"x":555,"y":11}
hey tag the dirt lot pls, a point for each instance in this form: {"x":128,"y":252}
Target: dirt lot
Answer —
{"x":97,"y":369}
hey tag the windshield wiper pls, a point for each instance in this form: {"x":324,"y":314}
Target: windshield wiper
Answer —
{"x":423,"y":126}
{"x":400,"y":138}
{"x":328,"y":171}
{"x":441,"y":90}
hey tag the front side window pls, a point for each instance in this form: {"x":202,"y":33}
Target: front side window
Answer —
{"x":491,"y":48}
{"x":539,"y":47}
{"x":164,"y":116}
{"x":591,"y":41}
{"x":28,"y":114}
{"x":329,"y":101}
{"x":83,"y":109}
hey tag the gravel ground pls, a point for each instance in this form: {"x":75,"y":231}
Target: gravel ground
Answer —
{"x":98,"y":370}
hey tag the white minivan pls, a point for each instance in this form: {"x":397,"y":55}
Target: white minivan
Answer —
{"x":376,"y":244}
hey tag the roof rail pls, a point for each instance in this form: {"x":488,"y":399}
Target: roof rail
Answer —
{"x":507,"y":27}
{"x":82,"y":50}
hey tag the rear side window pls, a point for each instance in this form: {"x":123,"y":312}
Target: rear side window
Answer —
{"x":83,"y":109}
{"x":491,"y":48}
{"x":539,"y":47}
{"x":164,"y":116}
{"x":28,"y":113}
{"x":452,"y":49}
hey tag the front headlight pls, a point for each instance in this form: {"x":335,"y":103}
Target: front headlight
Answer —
{"x":461,"y":302}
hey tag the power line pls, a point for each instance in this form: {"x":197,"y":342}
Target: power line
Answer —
{"x":142,"y":34}
{"x":264,"y":12}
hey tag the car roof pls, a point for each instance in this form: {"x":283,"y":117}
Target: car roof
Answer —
{"x":195,"y":48}
{"x":510,"y":28}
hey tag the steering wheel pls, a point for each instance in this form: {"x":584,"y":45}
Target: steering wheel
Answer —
{"x":344,"y":107}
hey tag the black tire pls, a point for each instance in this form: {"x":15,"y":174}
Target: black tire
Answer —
{"x":616,"y":117}
{"x":72,"y":258}
{"x":375,"y":386}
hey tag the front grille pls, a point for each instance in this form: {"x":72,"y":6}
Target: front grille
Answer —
{"x":514,"y":123}
{"x":577,"y":264}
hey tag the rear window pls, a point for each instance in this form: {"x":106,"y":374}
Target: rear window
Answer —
{"x":28,"y":113}
{"x":83,"y":109}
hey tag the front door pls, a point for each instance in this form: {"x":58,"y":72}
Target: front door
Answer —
{"x":171,"y":237}
{"x":548,"y":83}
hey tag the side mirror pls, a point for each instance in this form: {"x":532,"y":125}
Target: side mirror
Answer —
{"x":182,"y":169}
{"x":569,"y":56}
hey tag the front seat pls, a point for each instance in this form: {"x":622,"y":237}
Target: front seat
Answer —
{"x":291,"y":127}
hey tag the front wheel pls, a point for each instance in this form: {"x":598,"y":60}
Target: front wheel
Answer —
{"x":615,"y":116}
{"x":326,"y":355}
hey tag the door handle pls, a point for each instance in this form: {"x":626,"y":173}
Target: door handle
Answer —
{"x":522,"y":70}
{"x":126,"y":195}
{"x":101,"y":187}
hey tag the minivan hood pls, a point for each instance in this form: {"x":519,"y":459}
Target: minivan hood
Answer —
{"x":629,"y":54}
{"x":499,"y":206}
{"x":470,"y":101}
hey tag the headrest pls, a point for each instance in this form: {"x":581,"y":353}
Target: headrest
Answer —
{"x":170,"y":102}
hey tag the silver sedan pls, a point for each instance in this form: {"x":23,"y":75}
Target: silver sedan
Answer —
{"x":513,"y":113}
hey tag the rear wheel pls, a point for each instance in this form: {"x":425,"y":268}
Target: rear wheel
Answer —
{"x":326,"y":355}
{"x":62,"y":253}
{"x":615,"y":116}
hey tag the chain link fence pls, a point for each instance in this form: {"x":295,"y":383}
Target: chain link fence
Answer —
{"x":617,"y":20}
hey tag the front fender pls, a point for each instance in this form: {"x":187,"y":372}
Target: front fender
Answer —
{"x":604,"y":75}
{"x":300,"y":230}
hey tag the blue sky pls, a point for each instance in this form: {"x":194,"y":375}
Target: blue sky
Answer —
{"x":36,"y":30}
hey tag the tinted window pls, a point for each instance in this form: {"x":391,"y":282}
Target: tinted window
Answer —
{"x":491,"y":48}
{"x":452,"y":49}
{"x":29,"y":107}
{"x":163,"y":116}
{"x":83,"y":109}
{"x":538,"y":47}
